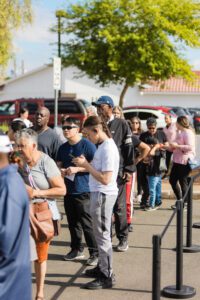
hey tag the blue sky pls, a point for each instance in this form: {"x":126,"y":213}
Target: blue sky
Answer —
{"x":33,"y":44}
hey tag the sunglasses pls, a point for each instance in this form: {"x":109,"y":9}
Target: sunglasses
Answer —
{"x":68,"y":127}
{"x":152,"y":128}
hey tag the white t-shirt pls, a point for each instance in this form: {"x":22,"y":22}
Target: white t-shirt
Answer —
{"x":106,"y":158}
{"x":27,"y":122}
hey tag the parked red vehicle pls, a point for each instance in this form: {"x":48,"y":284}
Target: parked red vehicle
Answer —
{"x":10,"y":109}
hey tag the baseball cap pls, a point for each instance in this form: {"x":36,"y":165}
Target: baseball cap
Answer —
{"x":5,"y":144}
{"x":104,"y":100}
{"x":151,"y":121}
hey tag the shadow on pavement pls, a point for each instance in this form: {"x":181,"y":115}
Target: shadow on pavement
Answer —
{"x":60,"y":243}
{"x":64,"y":285}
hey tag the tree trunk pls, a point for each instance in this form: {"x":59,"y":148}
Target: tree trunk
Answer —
{"x":124,"y":90}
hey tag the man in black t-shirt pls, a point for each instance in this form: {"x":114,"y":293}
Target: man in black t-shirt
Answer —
{"x":156,"y":139}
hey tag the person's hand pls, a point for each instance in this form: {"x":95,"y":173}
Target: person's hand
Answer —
{"x":63,"y":172}
{"x":174,"y":145}
{"x":127,"y":176}
{"x":165,"y":146}
{"x":80,"y":161}
{"x":71,"y":170}
{"x":30,"y":191}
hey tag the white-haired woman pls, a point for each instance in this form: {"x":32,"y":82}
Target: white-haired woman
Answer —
{"x":47,"y":178}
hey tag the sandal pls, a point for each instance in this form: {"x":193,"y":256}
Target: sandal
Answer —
{"x":39,"y":298}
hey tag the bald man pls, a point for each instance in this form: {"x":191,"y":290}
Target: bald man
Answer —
{"x":48,"y":141}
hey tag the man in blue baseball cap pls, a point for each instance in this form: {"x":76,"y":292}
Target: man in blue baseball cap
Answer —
{"x":104,"y":100}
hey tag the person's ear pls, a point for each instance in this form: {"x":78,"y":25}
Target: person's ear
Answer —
{"x":34,"y":146}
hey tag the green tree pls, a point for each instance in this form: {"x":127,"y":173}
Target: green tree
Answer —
{"x":130,"y":41}
{"x":13,"y":13}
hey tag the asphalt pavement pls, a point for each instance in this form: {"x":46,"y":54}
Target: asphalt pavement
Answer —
{"x":133,"y":269}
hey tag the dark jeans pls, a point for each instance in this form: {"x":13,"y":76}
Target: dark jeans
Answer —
{"x":139,"y":178}
{"x":119,"y":210}
{"x":179,"y":174}
{"x":144,"y":184}
{"x":168,"y":160}
{"x":77,"y":209}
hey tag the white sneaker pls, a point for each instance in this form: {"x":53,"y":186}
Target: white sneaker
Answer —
{"x":139,"y":198}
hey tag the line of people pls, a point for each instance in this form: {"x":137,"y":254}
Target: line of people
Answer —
{"x":95,"y":172}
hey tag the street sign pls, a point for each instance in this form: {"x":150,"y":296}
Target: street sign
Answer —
{"x":57,"y":73}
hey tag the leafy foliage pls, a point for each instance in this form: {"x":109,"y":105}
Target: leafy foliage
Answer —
{"x":13,"y":13}
{"x":130,"y":41}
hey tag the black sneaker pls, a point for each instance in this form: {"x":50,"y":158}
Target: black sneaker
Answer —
{"x":102,"y":282}
{"x":92,"y":260}
{"x":92,"y":272}
{"x":184,"y":206}
{"x":122,"y":246}
{"x":142,"y":205}
{"x":130,"y":228}
{"x":74,"y":255}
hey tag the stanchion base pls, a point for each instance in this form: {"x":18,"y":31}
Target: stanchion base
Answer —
{"x":184,"y":293}
{"x":196,"y":225}
{"x":191,"y":249}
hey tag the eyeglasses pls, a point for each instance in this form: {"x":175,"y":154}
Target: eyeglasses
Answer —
{"x":152,"y":128}
{"x":68,"y":127}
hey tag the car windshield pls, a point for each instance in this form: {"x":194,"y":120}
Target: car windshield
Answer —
{"x":7,"y":108}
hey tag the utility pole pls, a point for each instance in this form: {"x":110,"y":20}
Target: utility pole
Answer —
{"x":59,"y":15}
{"x":57,"y":68}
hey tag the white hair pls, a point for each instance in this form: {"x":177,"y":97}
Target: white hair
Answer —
{"x":28,"y":134}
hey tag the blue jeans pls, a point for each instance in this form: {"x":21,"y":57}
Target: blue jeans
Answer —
{"x":154,"y":190}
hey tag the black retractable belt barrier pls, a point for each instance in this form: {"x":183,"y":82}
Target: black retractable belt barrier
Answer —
{"x":156,"y":267}
{"x":179,"y":291}
{"x":189,"y":248}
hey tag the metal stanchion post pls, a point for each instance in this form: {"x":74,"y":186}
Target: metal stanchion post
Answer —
{"x":179,"y":291}
{"x":156,"y":267}
{"x":189,"y":248}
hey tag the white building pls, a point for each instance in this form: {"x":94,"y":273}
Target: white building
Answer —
{"x":39,"y":83}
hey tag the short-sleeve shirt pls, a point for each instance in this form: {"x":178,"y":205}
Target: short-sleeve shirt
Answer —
{"x":84,"y":147}
{"x":106,"y":158}
{"x":158,"y":137}
{"x":15,"y":271}
{"x":45,"y":169}
{"x":49,"y":142}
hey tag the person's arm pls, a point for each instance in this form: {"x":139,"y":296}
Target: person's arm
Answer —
{"x":189,"y":142}
{"x":57,"y":189}
{"x":103,"y":177}
{"x":70,"y":170}
{"x":144,"y":151}
{"x":127,"y":151}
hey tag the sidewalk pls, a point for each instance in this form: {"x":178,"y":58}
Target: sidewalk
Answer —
{"x":133,"y":268}
{"x":167,"y":192}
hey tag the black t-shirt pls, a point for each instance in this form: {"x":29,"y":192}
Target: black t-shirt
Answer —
{"x":153,"y":168}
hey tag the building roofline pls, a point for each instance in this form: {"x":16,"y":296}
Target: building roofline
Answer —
{"x":26,"y":74}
